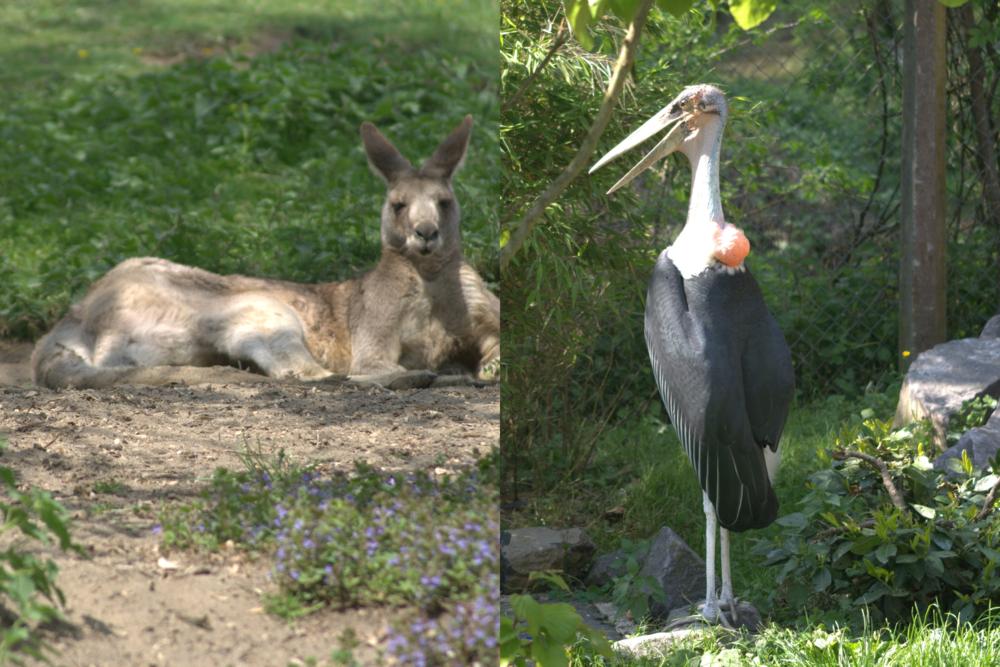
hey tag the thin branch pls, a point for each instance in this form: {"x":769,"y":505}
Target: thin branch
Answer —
{"x":883,"y":469}
{"x":991,"y":498}
{"x":623,"y":65}
{"x":561,"y":38}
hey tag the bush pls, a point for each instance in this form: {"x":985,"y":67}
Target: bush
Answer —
{"x":27,"y":581}
{"x":865,"y":541}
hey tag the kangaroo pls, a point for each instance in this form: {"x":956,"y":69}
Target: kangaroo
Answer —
{"x":421,"y":308}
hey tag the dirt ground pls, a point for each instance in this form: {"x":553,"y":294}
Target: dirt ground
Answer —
{"x":160,"y":444}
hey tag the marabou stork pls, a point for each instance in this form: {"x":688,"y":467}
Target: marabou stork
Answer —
{"x":720,"y":361}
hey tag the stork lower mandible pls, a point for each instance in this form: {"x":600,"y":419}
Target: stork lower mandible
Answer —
{"x":719,"y":359}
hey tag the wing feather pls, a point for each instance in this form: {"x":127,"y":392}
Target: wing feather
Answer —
{"x":700,"y":375}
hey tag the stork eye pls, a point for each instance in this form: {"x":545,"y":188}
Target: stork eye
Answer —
{"x":397,"y":207}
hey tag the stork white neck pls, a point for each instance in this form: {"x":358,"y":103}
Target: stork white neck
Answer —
{"x":694,"y":249}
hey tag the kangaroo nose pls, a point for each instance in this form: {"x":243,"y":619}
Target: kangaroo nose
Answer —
{"x":427,"y":231}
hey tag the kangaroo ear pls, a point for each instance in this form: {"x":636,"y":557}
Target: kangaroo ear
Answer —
{"x":383,"y":158}
{"x":451,"y":153}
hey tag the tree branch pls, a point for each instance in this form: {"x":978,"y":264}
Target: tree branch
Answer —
{"x":883,"y":469}
{"x":561,"y":38}
{"x":626,"y":56}
{"x":991,"y":498}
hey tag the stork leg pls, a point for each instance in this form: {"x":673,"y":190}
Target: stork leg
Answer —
{"x":727,"y":599}
{"x":710,"y":609}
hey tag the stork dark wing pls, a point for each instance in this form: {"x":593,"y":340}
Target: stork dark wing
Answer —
{"x":696,"y":343}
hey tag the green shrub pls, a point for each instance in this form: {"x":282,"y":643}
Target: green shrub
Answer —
{"x":853,"y":549}
{"x":28,"y":589}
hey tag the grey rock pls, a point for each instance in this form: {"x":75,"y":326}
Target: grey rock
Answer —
{"x":748,"y":618}
{"x":527,"y":550}
{"x":676,"y":569}
{"x":943,"y":377}
{"x":623,"y":625}
{"x":992,"y":328}
{"x":610,"y":566}
{"x":656,"y":646}
{"x":982,"y":444}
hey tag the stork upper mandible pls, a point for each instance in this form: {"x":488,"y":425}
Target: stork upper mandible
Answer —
{"x":719,"y":359}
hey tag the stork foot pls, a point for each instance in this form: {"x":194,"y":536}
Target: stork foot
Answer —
{"x":731,"y":605}
{"x":705,"y":614}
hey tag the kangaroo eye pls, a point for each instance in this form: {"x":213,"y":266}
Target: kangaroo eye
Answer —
{"x":398,"y":207}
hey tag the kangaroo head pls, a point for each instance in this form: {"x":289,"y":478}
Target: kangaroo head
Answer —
{"x":420,"y":215}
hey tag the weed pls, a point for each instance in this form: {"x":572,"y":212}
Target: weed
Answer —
{"x":28,"y":581}
{"x":370,"y":538}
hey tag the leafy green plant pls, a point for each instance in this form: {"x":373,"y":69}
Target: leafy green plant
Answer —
{"x":28,"y":581}
{"x":631,"y":591}
{"x":369,"y":538}
{"x":880,"y":531}
{"x":973,"y":413}
{"x":545,"y":632}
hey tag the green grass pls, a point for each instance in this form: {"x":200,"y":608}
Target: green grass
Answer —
{"x":642,"y":468}
{"x":226,"y":136}
{"x":931,"y":640}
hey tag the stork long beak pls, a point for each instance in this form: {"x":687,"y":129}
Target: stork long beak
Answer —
{"x":667,"y":145}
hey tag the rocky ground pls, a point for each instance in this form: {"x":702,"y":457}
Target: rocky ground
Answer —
{"x":114,"y":456}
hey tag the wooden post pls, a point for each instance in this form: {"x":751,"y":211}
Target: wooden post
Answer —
{"x":924,"y":245}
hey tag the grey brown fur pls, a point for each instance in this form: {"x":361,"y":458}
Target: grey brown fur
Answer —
{"x":421,"y":307}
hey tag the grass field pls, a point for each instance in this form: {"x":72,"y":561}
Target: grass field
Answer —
{"x":226,"y":136}
{"x":642,"y":469}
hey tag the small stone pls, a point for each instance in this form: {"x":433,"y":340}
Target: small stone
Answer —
{"x":656,"y":646}
{"x":677,"y":570}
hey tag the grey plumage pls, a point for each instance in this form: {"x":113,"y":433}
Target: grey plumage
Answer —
{"x":725,"y":376}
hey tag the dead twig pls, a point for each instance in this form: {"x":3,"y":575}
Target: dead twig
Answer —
{"x":883,"y":469}
{"x":991,"y":498}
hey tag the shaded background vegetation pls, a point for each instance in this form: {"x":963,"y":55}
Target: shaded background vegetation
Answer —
{"x":226,"y":136}
{"x":811,"y":170}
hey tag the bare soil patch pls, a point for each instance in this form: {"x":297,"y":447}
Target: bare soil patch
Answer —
{"x":115,"y":456}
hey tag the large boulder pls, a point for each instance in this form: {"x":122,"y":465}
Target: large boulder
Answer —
{"x":677,"y":570}
{"x":942,"y":378}
{"x":981,"y":443}
{"x":536,"y":549}
{"x":992,"y":328}
{"x":610,"y":566}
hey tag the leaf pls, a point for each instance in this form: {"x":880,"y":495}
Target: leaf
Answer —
{"x":749,"y":14}
{"x":624,"y":9}
{"x":561,"y":621}
{"x":49,"y":512}
{"x":986,"y":483}
{"x":795,"y":520}
{"x":924,"y":511}
{"x":953,"y":3}
{"x":579,"y":17}
{"x":876,"y":591}
{"x":885,"y":551}
{"x":822,"y":580}
{"x":548,"y":653}
{"x":676,"y":7}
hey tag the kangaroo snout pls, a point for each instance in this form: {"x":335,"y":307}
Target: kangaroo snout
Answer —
{"x":428,"y":231}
